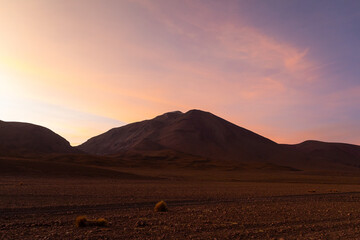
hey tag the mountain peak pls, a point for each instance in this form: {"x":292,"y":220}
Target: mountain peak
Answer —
{"x":176,"y":114}
{"x":198,"y":112}
{"x":169,"y":115}
{"x":195,"y":132}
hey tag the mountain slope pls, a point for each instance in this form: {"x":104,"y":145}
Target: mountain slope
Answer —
{"x":335,"y":153}
{"x":19,"y":139}
{"x":194,"y":132}
{"x":202,"y":134}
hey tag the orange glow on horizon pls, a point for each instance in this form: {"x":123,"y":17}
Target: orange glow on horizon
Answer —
{"x":126,"y":61}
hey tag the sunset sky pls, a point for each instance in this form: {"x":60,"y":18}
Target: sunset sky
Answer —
{"x":285,"y":69}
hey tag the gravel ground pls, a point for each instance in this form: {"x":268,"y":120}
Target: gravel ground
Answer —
{"x":47,"y":208}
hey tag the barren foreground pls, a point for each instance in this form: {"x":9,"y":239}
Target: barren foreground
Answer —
{"x":33,"y":208}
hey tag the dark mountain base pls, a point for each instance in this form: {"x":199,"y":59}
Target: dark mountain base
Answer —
{"x":164,"y":166}
{"x":34,"y":168}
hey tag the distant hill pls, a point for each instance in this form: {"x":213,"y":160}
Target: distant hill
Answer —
{"x":19,"y":139}
{"x":333,"y":153}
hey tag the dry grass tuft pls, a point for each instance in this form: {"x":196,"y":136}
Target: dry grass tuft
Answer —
{"x":101,"y":222}
{"x":83,"y":221}
{"x":161,"y":207}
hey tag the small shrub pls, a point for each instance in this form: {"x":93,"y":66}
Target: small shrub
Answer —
{"x":101,"y":222}
{"x":161,"y":207}
{"x":82,"y":221}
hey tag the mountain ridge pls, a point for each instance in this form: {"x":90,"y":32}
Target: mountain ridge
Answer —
{"x":196,"y":137}
{"x":204,"y":134}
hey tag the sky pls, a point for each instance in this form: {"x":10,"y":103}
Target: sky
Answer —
{"x":285,"y":69}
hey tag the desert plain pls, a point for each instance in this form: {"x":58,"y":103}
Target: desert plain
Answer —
{"x":198,"y":208}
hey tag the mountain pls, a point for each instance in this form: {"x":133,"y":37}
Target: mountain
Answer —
{"x":200,"y":136}
{"x":194,"y":132}
{"x":191,"y":140}
{"x":19,"y":139}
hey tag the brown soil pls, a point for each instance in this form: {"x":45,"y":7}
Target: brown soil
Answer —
{"x":44,"y":208}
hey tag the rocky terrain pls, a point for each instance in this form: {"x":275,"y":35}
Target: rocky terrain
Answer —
{"x":46,"y":209}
